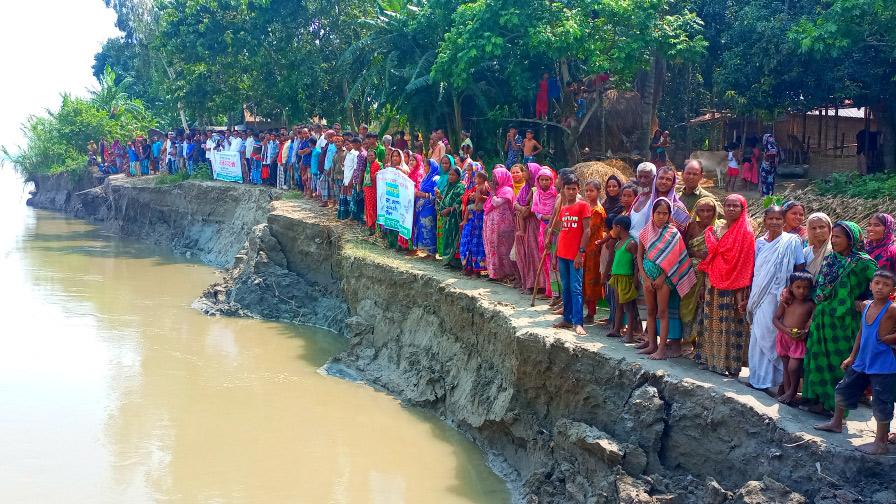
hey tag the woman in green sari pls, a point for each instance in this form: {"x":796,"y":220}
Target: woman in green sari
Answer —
{"x":446,"y":164}
{"x":843,"y":279}
{"x":450,"y":216}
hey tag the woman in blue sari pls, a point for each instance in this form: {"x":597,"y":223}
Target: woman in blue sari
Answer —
{"x":425,"y":211}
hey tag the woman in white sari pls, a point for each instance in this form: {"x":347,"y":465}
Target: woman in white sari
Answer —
{"x":778,"y":254}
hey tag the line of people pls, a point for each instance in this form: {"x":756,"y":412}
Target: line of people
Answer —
{"x":792,"y":304}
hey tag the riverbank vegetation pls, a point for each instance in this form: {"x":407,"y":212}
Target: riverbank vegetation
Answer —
{"x":57,"y":140}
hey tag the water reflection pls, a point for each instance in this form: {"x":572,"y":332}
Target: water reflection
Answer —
{"x":115,"y":390}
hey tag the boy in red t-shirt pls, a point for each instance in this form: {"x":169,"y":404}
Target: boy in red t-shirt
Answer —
{"x":575,"y":222}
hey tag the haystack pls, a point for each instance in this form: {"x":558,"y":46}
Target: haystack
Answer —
{"x":598,"y":170}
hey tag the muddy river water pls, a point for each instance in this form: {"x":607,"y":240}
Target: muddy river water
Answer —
{"x":113,"y":389}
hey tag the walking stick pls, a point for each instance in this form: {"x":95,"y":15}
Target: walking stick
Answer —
{"x":538,"y":273}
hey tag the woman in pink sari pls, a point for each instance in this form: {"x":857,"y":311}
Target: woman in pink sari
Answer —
{"x":499,"y":229}
{"x":528,"y":227}
{"x":543,"y":201}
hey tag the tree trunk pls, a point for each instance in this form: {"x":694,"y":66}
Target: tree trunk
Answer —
{"x":180,"y":104}
{"x":458,"y":121}
{"x":885,"y":116}
{"x":646,"y":78}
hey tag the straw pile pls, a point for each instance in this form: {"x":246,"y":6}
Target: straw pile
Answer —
{"x":837,"y":207}
{"x":597,"y":170}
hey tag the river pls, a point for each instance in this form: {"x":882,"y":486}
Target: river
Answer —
{"x":113,"y":389}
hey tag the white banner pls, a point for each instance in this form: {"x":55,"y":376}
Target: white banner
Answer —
{"x":226,"y":166}
{"x":395,"y":201}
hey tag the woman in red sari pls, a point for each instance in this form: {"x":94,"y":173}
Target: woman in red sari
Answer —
{"x":373,"y":167}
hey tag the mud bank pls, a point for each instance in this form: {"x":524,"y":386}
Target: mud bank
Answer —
{"x":207,"y":220}
{"x":564,"y":419}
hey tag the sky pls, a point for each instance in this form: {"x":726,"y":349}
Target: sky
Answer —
{"x":48,"y":49}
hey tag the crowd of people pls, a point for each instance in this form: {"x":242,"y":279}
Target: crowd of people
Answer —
{"x":805,"y":306}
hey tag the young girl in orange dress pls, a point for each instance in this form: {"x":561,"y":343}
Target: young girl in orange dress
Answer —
{"x":592,"y":284}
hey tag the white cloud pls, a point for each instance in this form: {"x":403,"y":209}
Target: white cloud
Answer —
{"x":48,"y":48}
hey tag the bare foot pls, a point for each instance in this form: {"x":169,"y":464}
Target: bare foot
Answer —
{"x":603,"y":321}
{"x":562,"y":325}
{"x":611,"y":334}
{"x":874,"y":448}
{"x":660,"y":354}
{"x":674,"y":352}
{"x":786,"y":398}
{"x":892,"y":438}
{"x":829,"y":427}
{"x":641,"y":344}
{"x":628,"y":339}
{"x":580,"y":331}
{"x":647,"y":350}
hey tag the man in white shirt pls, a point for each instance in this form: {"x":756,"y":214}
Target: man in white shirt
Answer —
{"x":236,"y":142}
{"x":247,"y":161}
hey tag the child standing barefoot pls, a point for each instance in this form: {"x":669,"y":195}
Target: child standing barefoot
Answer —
{"x":623,"y":279}
{"x":592,"y":286}
{"x":575,"y":233}
{"x":872,"y":362}
{"x":665,"y":269}
{"x":733,"y":167}
{"x":792,"y":323}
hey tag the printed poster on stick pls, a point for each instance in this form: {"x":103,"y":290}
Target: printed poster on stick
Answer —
{"x":395,"y":201}
{"x":226,"y":166}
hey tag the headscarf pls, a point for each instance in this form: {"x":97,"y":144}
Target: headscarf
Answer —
{"x":454,"y":191}
{"x":470,"y":183}
{"x":611,"y":203}
{"x":431,"y":179}
{"x":503,"y":187}
{"x":403,"y":166}
{"x":814,"y":266}
{"x":836,"y":265}
{"x":531,"y":182}
{"x":470,"y":178}
{"x":416,"y":173}
{"x":443,"y":175}
{"x":729,"y":261}
{"x":543,"y":201}
{"x":705,"y":199}
{"x":664,"y":246}
{"x":884,"y":250}
{"x":518,"y":186}
{"x":801,"y":230}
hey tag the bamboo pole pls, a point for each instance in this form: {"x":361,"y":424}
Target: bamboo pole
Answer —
{"x":837,"y":125}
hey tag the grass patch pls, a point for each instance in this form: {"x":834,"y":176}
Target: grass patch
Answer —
{"x":855,"y":185}
{"x":202,"y":171}
{"x":293,"y":195}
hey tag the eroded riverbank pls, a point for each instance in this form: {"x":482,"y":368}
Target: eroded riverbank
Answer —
{"x":576,"y":420}
{"x":113,"y":389}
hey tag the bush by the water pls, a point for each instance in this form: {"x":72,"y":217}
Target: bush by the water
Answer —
{"x":57,"y":141}
{"x":855,"y":185}
{"x":202,"y":171}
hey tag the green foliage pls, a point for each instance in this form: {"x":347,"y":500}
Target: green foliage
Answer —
{"x":854,"y":185}
{"x":165,"y":179}
{"x":772,"y":200}
{"x":58,"y":140}
{"x":293,"y":195}
{"x":202,"y":171}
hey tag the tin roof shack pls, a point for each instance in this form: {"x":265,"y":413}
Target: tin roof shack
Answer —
{"x":830,"y":139}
